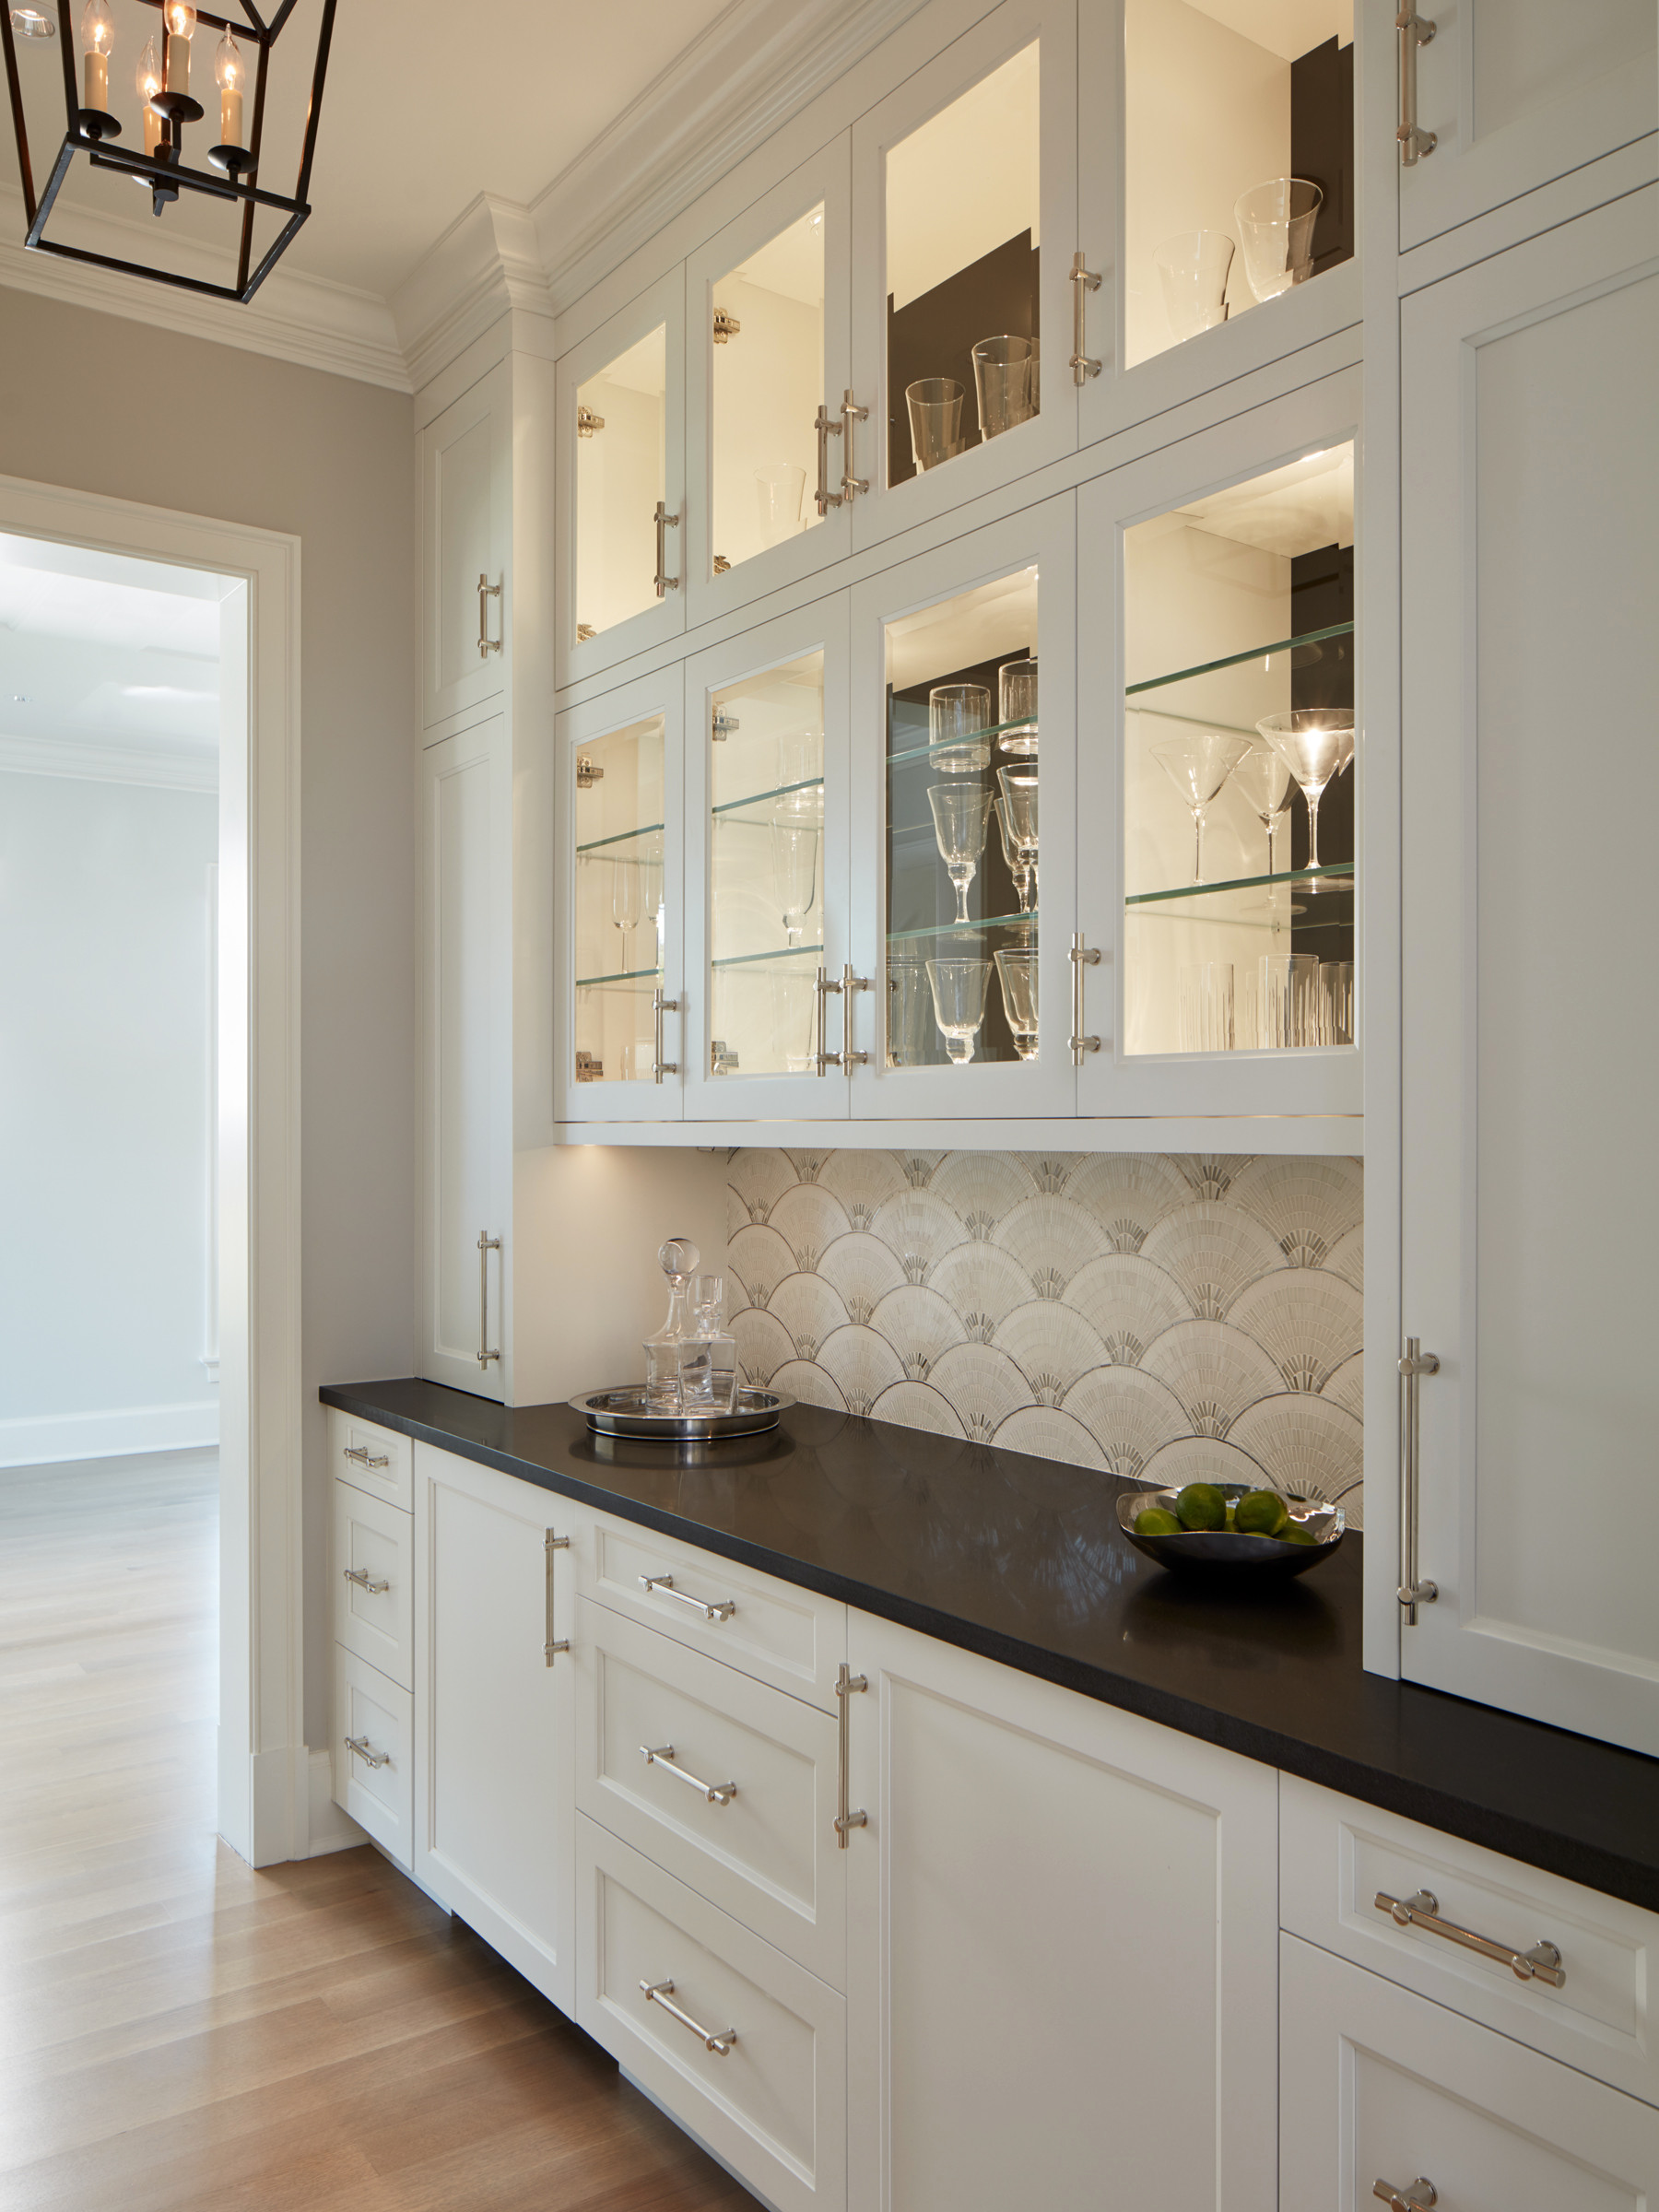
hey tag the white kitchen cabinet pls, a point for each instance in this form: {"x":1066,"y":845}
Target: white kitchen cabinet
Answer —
{"x":494,"y":1710}
{"x":466,"y":499}
{"x":372,"y":1571}
{"x":374,"y":1753}
{"x":1514,"y":93}
{"x":1530,"y":489}
{"x":1062,"y":1947}
{"x":467,"y":1157}
{"x":1380,"y":2086}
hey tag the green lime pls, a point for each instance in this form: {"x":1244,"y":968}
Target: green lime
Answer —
{"x":1201,"y":1505}
{"x":1294,"y":1533}
{"x":1260,"y":1514}
{"x":1156,"y":1521}
{"x":1231,"y":1509}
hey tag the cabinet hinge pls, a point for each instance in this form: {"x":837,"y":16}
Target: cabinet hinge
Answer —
{"x":584,"y":630}
{"x":587,"y":422}
{"x":725,"y":326}
{"x":722,"y":567}
{"x":724,"y":725}
{"x":590,"y":1068}
{"x":723,"y":1061}
{"x":588,"y":772}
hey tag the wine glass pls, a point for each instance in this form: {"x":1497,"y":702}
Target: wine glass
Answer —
{"x":1315,"y":744}
{"x":960,"y":812}
{"x":1019,"y":867}
{"x":1266,"y":781}
{"x":1020,"y":816}
{"x":627,"y":903}
{"x":959,"y":996}
{"x":1017,"y":972}
{"x":1198,"y":767}
{"x":794,"y":848}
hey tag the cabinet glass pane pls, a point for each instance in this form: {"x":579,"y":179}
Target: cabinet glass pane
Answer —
{"x":962,"y":853}
{"x":620,"y":463}
{"x":618,"y":902}
{"x":1228,"y":104}
{"x":766,"y":869}
{"x":766,"y":385}
{"x":1239,"y":610}
{"x":963,"y":238}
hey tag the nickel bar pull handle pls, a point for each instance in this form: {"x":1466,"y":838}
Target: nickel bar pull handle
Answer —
{"x":825,"y":430}
{"x":849,"y":984}
{"x":846,"y":1685}
{"x":1413,"y":1591}
{"x":486,"y":1244}
{"x":359,"y":1746}
{"x":1082,"y":955}
{"x":1422,"y":1910}
{"x":823,"y":1060}
{"x":659,"y":1993}
{"x":1416,"y":2197}
{"x":851,"y":413}
{"x":717,"y":1793}
{"x":1415,"y":30}
{"x":361,"y":1454}
{"x":659,"y":1006}
{"x":1084,"y":280}
{"x":662,"y":1585}
{"x":554,"y":1644}
{"x":665,"y":523}
{"x":487,"y":592}
{"x":364,"y":1580}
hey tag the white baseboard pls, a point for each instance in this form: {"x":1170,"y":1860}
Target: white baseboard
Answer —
{"x":37,"y":1440}
{"x":330,"y":1829}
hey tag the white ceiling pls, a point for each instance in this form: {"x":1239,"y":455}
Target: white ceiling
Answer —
{"x":428,"y":103}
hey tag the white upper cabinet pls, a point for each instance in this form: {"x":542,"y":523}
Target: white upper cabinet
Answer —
{"x":1514,"y":93}
{"x":1530,"y":488}
{"x":1219,"y":737}
{"x":622,"y":483}
{"x":1216,"y":192}
{"x":466,"y":505}
{"x":767,"y":375}
{"x":964,"y":219}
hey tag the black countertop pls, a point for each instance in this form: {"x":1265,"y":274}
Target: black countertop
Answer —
{"x":1021,"y":1560}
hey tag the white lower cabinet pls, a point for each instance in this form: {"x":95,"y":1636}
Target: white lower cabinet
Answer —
{"x":494,"y":1710}
{"x":374,"y":1753}
{"x":1385,"y":2090}
{"x":1062,"y":1951}
{"x":746,"y":2049}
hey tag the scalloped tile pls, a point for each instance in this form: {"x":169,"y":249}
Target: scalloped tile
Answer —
{"x":809,"y":1219}
{"x":1307,"y":1321}
{"x":1052,"y":1346}
{"x":1199,"y":1459}
{"x":919,"y":1325}
{"x":1212,"y":1250}
{"x":1128,"y":1194}
{"x":760,"y":1259}
{"x":1048,"y":1433}
{"x":982,"y":1188}
{"x":984,"y":1386}
{"x":1304,"y":1442}
{"x":1052,"y":1237}
{"x":764,"y":1345}
{"x":921,"y":1230}
{"x":808,"y":1307}
{"x":863,"y":1180}
{"x":1216,"y":1370}
{"x":759,"y":1177}
{"x":1129,"y":1300}
{"x":863,"y":1365}
{"x":984,"y":1284}
{"x":862,"y":1270}
{"x":918,"y":1406}
{"x":1129,"y":1414}
{"x":1348,"y":1257}
{"x":809,"y":1383}
{"x":1307,"y":1205}
{"x":1346,"y":1386}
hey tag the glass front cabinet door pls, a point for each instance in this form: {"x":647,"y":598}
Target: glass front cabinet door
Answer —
{"x":619,"y":1036}
{"x":1222,"y":755}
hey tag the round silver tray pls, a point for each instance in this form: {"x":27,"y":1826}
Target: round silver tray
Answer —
{"x":623,"y":1412}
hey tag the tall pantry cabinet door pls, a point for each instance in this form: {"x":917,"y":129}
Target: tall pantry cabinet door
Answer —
{"x":1061,"y":1953}
{"x":1514,"y":93}
{"x":1529,"y":783}
{"x":468,"y":1150}
{"x":495,"y":1712}
{"x":466,"y":496}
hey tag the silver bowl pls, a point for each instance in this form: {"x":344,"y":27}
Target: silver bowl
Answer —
{"x":1223,"y":1552}
{"x":623,"y":1412}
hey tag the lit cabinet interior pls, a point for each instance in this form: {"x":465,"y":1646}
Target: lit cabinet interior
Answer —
{"x":1238,"y":157}
{"x":1238,"y":743}
{"x":623,"y":543}
{"x":619,"y":909}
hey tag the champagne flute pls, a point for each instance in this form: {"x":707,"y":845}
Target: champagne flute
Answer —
{"x":1019,"y":815}
{"x":960,"y":812}
{"x":1019,"y":867}
{"x":1315,"y":744}
{"x":794,"y":848}
{"x":1198,"y":767}
{"x":1266,"y":781}
{"x":1017,"y":972}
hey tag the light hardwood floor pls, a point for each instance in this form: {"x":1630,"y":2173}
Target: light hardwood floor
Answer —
{"x":181,"y":2034}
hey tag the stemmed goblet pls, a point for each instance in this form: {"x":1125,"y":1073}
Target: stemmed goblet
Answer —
{"x":628,"y":901}
{"x":960,"y":812}
{"x":1019,"y":867}
{"x":959,"y":996}
{"x":1315,"y":744}
{"x":1198,"y":767}
{"x":794,"y":848}
{"x":1266,"y":781}
{"x":1017,"y":972}
{"x":1019,"y":820}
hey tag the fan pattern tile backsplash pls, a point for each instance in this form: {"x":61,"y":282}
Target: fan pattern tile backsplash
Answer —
{"x":1165,"y":1318}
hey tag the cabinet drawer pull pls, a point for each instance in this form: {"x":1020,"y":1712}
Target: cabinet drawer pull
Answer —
{"x":553,"y":1645}
{"x":364,"y":1580}
{"x":846,"y":1685}
{"x":1084,"y":281}
{"x":1415,"y":30}
{"x":659,"y":1066}
{"x":826,"y":430}
{"x":1413,"y":1590}
{"x":659,"y":1993}
{"x":717,"y":1793}
{"x":487,"y":592}
{"x":1422,"y":1910}
{"x":1416,"y":2197}
{"x":851,"y":412}
{"x":360,"y":1745}
{"x":1082,"y":955}
{"x":666,"y":522}
{"x":360,"y":1453}
{"x":722,"y":1608}
{"x":486,"y":1244}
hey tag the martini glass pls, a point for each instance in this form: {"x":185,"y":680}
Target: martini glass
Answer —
{"x":1315,"y":744}
{"x":1198,"y":767}
{"x":960,"y":812}
{"x":1266,"y":781}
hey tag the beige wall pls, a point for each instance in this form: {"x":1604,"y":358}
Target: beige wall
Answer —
{"x":113,"y":406}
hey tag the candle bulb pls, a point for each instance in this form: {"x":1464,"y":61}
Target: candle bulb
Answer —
{"x":149,"y":80}
{"x":98,"y":36}
{"x":229,"y":71}
{"x":180,"y":18}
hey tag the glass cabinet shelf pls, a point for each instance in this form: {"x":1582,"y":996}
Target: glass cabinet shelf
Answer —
{"x":623,"y":975}
{"x":974,"y":738}
{"x":1238,"y":660}
{"x":733,"y":809}
{"x":620,"y":837}
{"x":783,"y":952}
{"x":1340,"y":870}
{"x":974,"y":928}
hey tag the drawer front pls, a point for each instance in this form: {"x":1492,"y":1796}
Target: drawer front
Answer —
{"x":790,"y":1638}
{"x":1379,"y":2084}
{"x":376,"y":1460}
{"x":763,"y":1846}
{"x":772,"y":2104}
{"x":372,"y":1571}
{"x":374,"y":1781}
{"x":1337,"y":1856}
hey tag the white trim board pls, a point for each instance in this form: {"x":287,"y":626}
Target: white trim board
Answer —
{"x":85,"y":762}
{"x":42,"y":1440}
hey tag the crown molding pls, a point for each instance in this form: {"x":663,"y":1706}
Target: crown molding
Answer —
{"x":86,"y":762}
{"x":291,"y":317}
{"x":486,"y":265}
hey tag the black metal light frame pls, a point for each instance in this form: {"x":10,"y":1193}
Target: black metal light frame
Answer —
{"x":165,"y":170}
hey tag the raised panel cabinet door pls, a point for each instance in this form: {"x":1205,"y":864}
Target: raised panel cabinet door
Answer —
{"x":1530,"y":528}
{"x":1382,"y":2087}
{"x":495,"y":1712}
{"x":1062,"y":1948}
{"x":467,"y":494}
{"x":467,"y":1107}
{"x":1514,"y":93}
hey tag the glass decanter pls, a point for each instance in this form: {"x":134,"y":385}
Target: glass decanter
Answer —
{"x":708,"y":1354}
{"x":678,"y":1258}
